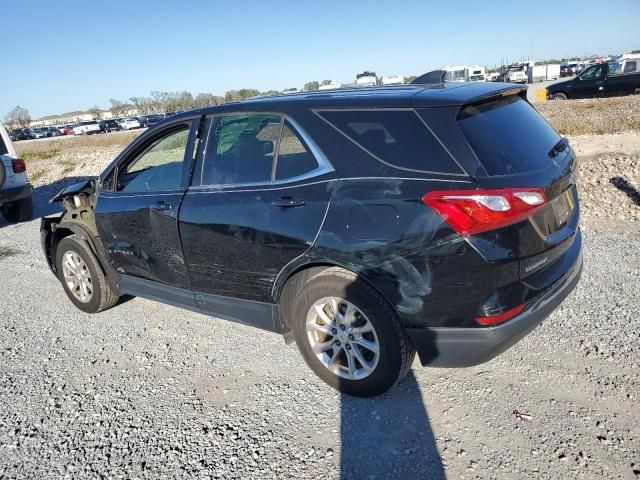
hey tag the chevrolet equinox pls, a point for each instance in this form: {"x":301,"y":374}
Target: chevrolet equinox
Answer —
{"x":364,"y":224}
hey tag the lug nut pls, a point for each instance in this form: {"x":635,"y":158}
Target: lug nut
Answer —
{"x":348,"y":347}
{"x":342,"y":327}
{"x":351,"y":336}
{"x":334,"y":331}
{"x":337,"y":343}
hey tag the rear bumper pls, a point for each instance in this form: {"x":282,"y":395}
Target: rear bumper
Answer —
{"x":465,"y":347}
{"x":14,"y":194}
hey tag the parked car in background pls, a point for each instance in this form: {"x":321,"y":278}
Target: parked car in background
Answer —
{"x":86,"y":128}
{"x":21,"y":134}
{"x":16,"y":204}
{"x":66,"y":129}
{"x":599,"y":80}
{"x":149,"y":120}
{"x":364,"y":226}
{"x":53,"y":132}
{"x":107,"y":126}
{"x":129,"y":123}
{"x":39,"y":132}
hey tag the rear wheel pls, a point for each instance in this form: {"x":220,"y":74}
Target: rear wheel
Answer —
{"x":18,"y":211}
{"x":82,"y":277}
{"x":559,"y":96}
{"x":349,"y":335}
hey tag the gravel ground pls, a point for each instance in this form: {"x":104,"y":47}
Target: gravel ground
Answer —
{"x":149,"y":391}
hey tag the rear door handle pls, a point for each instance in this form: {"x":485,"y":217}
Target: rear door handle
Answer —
{"x":288,"y":202}
{"x":160,"y":205}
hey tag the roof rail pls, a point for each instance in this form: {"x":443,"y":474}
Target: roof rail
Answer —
{"x":434,"y":77}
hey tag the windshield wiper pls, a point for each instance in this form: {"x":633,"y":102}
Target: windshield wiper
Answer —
{"x":559,"y":147}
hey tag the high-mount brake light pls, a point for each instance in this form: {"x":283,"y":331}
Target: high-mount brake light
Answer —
{"x":474,"y":211}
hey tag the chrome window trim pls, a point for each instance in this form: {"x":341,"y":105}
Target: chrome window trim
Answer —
{"x":318,"y":111}
{"x":324,"y":166}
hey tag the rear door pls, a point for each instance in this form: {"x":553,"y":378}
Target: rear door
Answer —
{"x":259,"y":196}
{"x":519,"y":149}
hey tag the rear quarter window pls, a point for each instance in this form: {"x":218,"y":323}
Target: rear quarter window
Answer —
{"x":508,"y":135}
{"x":395,"y":137}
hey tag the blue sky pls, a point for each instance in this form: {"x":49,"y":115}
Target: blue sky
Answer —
{"x":60,"y":56}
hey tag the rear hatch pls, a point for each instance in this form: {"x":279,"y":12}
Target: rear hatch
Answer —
{"x":518,"y":149}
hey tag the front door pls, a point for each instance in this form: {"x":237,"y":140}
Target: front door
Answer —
{"x":590,"y":83}
{"x":137,"y":213}
{"x":257,"y":203}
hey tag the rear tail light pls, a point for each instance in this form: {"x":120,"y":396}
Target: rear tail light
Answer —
{"x":18,"y":165}
{"x":475,"y":211}
{"x":501,"y":317}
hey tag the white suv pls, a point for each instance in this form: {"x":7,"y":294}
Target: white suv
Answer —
{"x":16,"y":204}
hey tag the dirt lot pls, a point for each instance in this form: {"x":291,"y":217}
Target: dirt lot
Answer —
{"x":149,"y":391}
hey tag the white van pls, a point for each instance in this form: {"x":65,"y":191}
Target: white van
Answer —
{"x":16,"y":203}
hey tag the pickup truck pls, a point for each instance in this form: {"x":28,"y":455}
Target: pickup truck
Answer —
{"x":596,"y":81}
{"x":86,"y":128}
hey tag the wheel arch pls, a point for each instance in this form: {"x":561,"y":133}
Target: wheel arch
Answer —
{"x":289,"y":283}
{"x":66,"y":229}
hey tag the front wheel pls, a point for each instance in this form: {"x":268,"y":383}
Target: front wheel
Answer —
{"x":82,"y":277}
{"x":559,"y":96}
{"x":349,"y":335}
{"x":18,"y":211}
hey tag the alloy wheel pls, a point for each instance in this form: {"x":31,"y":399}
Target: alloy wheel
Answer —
{"x":77,"y":276}
{"x":343,"y":338}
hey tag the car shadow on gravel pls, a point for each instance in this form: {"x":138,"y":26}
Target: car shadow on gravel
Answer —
{"x":43,"y":193}
{"x":627,"y":188}
{"x":389,"y":436}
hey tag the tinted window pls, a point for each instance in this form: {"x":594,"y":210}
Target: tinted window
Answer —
{"x":294,"y":158}
{"x":592,"y":73}
{"x":630,"y":67}
{"x":3,"y":147}
{"x":396,"y":137}
{"x":159,"y":167}
{"x":241,"y":149}
{"x":508,"y":135}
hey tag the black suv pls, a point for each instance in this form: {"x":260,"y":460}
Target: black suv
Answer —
{"x":365,"y":224}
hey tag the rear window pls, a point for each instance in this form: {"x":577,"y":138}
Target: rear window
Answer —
{"x":508,"y":135}
{"x":395,"y":137}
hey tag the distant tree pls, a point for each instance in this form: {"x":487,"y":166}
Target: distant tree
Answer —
{"x":409,"y":79}
{"x":206,"y":100}
{"x":118,"y":108}
{"x":270,"y":92}
{"x":18,"y":117}
{"x":633,"y":52}
{"x":326,"y":82}
{"x":242,"y":94}
{"x":311,"y":86}
{"x":95,"y":112}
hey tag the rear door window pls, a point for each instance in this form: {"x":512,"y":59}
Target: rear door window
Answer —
{"x":396,"y":137}
{"x":508,"y":135}
{"x":294,"y":158}
{"x":241,"y":149}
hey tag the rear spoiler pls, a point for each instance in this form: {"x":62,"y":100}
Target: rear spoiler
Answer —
{"x":434,"y":77}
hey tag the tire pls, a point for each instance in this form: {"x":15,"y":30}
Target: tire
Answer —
{"x":18,"y":211}
{"x":395,"y":351}
{"x":102,"y":297}
{"x":559,"y":96}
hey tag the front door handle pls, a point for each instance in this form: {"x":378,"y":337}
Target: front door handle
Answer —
{"x":288,"y":202}
{"x":160,"y":205}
